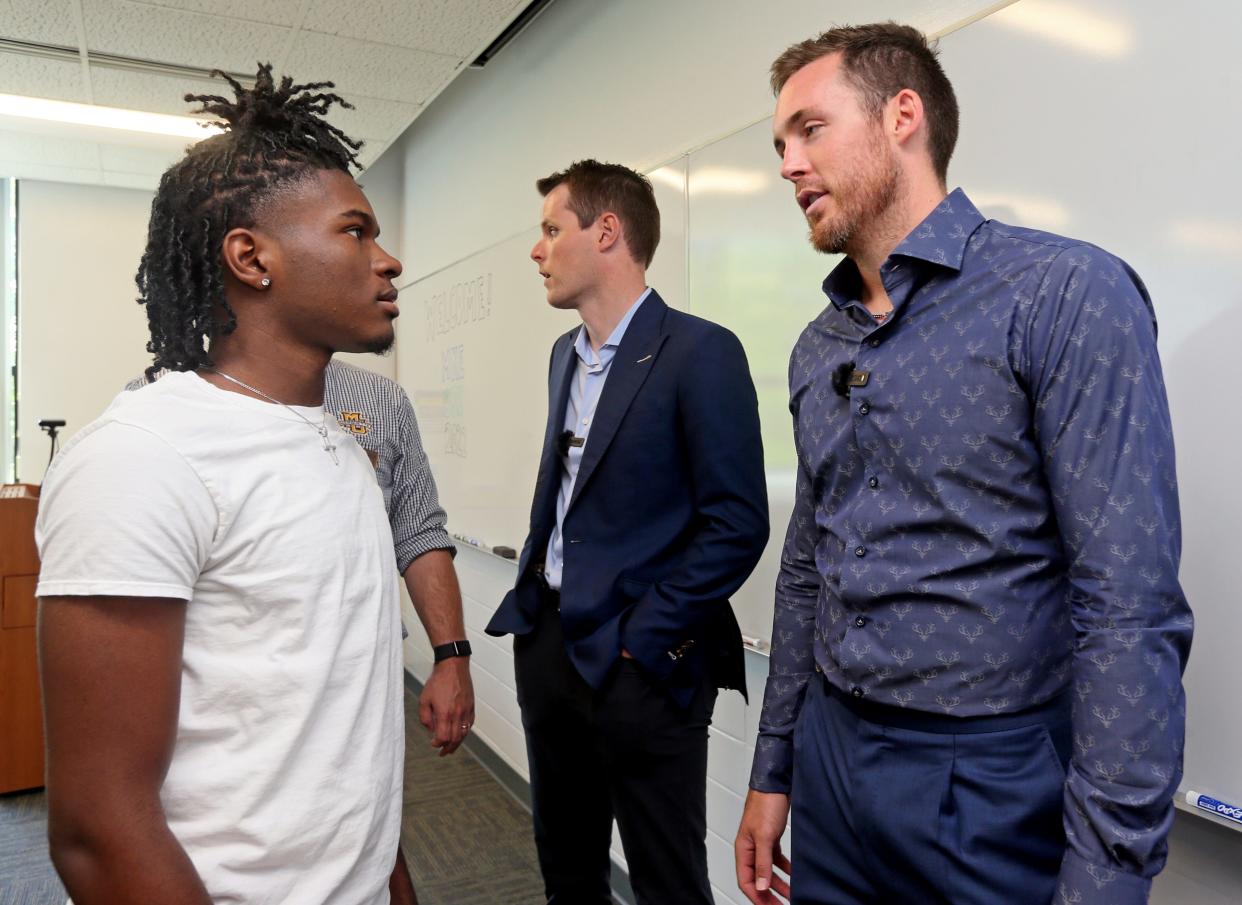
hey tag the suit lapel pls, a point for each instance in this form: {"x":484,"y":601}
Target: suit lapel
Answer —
{"x":564,"y":360}
{"x":562,"y":372}
{"x":630,"y":366}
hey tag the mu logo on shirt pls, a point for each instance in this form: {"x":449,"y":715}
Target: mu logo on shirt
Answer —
{"x":354,"y":422}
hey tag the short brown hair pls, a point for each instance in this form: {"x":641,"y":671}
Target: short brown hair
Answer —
{"x":595,"y":188}
{"x":880,"y":60}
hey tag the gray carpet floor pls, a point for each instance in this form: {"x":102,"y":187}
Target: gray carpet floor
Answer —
{"x":26,"y":875}
{"x":466,"y":839}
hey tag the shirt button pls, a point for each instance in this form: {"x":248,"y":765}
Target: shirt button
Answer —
{"x":864,"y":409}
{"x":817,"y":668}
{"x":857,"y":691}
{"x":875,"y":344}
{"x":860,"y":551}
{"x":873,"y":482}
{"x":860,"y":621}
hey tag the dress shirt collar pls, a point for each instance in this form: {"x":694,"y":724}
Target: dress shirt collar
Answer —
{"x":582,"y":342}
{"x":941,"y":239}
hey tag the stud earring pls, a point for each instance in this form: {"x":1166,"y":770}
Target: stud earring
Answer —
{"x":265,"y":282}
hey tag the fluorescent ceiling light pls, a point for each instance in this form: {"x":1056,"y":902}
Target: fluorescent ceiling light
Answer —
{"x":1218,"y":236}
{"x":1066,"y":24}
{"x":105,"y":117}
{"x":672,"y":177}
{"x":728,"y":181}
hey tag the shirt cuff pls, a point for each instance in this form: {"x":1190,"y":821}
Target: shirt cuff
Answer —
{"x":1084,"y":883}
{"x":408,"y":550}
{"x":772,"y":770}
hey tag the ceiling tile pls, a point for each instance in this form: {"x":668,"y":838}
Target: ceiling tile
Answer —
{"x":40,"y":21}
{"x":372,"y":117}
{"x":148,"y":91}
{"x":173,"y":36}
{"x":270,"y":12}
{"x":394,"y":73}
{"x":388,"y":57}
{"x":458,"y":29}
{"x":39,"y":77}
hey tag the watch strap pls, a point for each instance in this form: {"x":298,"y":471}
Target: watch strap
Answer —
{"x":450,"y":650}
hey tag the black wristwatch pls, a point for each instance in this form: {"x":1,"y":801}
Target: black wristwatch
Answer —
{"x":450,"y":650}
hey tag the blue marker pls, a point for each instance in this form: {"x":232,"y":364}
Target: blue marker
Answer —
{"x":1211,"y":805}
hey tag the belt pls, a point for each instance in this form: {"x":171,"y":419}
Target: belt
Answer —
{"x":1052,"y":710}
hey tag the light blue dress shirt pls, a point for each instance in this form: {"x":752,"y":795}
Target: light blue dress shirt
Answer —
{"x":584,"y":393}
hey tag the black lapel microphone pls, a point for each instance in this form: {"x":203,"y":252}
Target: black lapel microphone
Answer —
{"x":841,"y":379}
{"x":566,"y":439}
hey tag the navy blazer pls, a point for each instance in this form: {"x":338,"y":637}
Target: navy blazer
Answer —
{"x":669,"y":512}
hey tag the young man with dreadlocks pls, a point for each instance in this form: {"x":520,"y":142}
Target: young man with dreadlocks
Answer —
{"x":219,"y":636}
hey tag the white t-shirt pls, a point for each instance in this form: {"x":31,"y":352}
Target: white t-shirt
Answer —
{"x":285,"y":783}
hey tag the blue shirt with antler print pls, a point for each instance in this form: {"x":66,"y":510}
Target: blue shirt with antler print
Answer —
{"x":991,"y":519}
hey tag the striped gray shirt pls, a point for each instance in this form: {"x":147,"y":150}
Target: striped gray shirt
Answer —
{"x":377,"y":413}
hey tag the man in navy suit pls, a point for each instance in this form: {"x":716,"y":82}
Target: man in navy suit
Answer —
{"x":650,"y":510}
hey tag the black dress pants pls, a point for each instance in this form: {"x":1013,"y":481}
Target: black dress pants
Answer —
{"x":625,"y":751}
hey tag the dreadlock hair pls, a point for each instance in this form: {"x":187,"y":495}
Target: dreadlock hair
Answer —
{"x":274,"y":135}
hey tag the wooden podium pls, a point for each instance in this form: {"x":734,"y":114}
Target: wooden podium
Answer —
{"x":21,"y":713}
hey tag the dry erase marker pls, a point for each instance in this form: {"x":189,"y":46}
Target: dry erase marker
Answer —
{"x":1211,"y":805}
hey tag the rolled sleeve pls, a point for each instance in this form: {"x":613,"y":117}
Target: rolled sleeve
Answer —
{"x":415,"y":514}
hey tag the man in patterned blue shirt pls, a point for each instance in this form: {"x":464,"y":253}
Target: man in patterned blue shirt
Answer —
{"x":975,"y":690}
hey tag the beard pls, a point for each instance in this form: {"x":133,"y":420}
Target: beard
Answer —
{"x":381,"y":345}
{"x":862,"y":206}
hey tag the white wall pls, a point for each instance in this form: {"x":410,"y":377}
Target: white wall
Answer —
{"x":639,"y":83}
{"x":81,"y":334}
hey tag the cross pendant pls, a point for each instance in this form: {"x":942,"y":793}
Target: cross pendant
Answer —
{"x":328,"y":446}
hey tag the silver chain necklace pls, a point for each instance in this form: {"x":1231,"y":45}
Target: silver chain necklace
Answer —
{"x":322,"y":430}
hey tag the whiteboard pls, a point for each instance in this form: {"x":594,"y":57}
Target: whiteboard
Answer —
{"x":751,"y":269}
{"x":473,"y":355}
